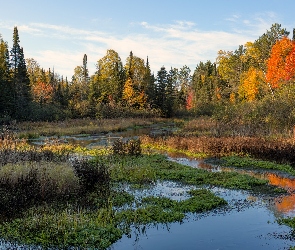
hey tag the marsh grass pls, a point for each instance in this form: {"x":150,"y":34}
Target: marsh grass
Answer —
{"x":149,"y":168}
{"x":64,"y":229}
{"x":80,"y":126}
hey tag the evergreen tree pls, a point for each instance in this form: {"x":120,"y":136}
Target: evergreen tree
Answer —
{"x":6,"y":91}
{"x":205,"y":84}
{"x":149,"y":83}
{"x":20,"y":79}
{"x":170,"y":93}
{"x":161,"y":84}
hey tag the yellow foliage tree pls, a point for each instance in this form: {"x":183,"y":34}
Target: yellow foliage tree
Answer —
{"x":252,"y":82}
{"x":128,"y":92}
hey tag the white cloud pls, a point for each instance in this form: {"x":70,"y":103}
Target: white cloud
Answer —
{"x":172,"y":45}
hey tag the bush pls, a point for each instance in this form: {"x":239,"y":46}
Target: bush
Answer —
{"x":91,"y":174}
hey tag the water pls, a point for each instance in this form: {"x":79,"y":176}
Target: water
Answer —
{"x":247,"y":222}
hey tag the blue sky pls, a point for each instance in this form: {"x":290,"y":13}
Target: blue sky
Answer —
{"x":172,"y":33}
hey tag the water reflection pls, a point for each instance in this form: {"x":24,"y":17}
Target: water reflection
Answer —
{"x":284,"y":205}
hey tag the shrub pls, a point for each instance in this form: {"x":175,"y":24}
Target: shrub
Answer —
{"x":91,"y":173}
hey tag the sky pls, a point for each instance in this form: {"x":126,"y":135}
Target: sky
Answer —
{"x":174,"y":33}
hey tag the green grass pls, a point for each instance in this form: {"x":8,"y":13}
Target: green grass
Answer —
{"x":247,"y":162}
{"x":63,"y":229}
{"x":148,"y":169}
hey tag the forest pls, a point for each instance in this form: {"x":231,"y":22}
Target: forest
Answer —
{"x":250,"y":89}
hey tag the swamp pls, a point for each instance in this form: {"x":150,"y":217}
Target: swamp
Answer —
{"x":144,"y":184}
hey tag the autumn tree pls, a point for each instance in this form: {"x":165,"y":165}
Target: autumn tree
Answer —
{"x":230,"y":68}
{"x":134,"y":90}
{"x":263,"y":45}
{"x":252,"y":85}
{"x":110,"y":77}
{"x":290,"y":63}
{"x":277,"y":62}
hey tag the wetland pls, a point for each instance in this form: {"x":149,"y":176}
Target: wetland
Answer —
{"x":126,"y":189}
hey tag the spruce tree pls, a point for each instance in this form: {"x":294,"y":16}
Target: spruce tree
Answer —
{"x":6,"y":91}
{"x":20,"y":79}
{"x":149,"y":83}
{"x":161,"y":85}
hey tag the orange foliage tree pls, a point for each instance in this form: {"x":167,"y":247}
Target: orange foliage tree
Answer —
{"x":189,"y":100}
{"x":290,"y":64}
{"x":276,"y":64}
{"x":42,"y":92}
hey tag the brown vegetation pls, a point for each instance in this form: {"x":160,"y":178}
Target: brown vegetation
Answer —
{"x":275,"y":150}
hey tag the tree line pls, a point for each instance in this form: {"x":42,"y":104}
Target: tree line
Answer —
{"x":255,"y":75}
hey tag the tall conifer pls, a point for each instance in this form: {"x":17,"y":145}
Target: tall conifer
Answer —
{"x":20,"y":79}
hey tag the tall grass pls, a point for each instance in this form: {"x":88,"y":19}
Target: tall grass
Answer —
{"x":29,"y":183}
